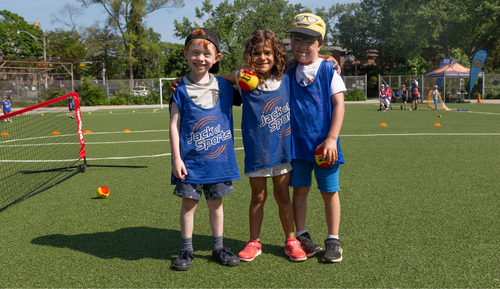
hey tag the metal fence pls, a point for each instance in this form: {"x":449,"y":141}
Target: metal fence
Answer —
{"x":30,"y":90}
{"x":356,"y":82}
{"x":452,"y":89}
{"x":395,"y":82}
{"x":492,"y":85}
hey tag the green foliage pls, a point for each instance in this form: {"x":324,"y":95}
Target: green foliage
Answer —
{"x":400,"y":30}
{"x":457,"y":55}
{"x":233,"y":23}
{"x":175,"y":64}
{"x":52,"y":93}
{"x":416,"y":64}
{"x":355,"y":95}
{"x":91,"y":95}
{"x":138,"y":43}
{"x":492,"y":94}
{"x":12,"y":43}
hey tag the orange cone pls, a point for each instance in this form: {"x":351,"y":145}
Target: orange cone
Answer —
{"x":478,"y":98}
{"x":87,"y":131}
{"x":5,"y":133}
{"x":437,"y":124}
{"x":56,"y":132}
{"x":383,"y":124}
{"x":127,"y":130}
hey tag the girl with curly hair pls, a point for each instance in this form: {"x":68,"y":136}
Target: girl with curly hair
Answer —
{"x":267,"y":139}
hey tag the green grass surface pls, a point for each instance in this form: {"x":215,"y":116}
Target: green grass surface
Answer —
{"x":420,"y":208}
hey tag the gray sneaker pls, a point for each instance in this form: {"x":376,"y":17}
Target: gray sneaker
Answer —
{"x":333,"y":252}
{"x":183,"y":261}
{"x":225,"y":257}
{"x":308,"y":245}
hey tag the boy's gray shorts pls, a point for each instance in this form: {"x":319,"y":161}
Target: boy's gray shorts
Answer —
{"x":194,"y":191}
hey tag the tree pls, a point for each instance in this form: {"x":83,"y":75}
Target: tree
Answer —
{"x":12,"y":43}
{"x":67,"y":16}
{"x":126,"y":17}
{"x":234,"y":23}
{"x":403,"y":29}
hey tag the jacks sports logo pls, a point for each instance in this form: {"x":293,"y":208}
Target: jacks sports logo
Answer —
{"x":275,"y":117}
{"x":477,"y":63}
{"x":208,"y":136}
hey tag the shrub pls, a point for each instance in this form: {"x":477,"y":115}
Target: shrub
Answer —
{"x":91,"y":95}
{"x":491,"y":94}
{"x":51,"y":93}
{"x":118,"y":100}
{"x":355,"y":95}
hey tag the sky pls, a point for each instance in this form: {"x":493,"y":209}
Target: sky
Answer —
{"x":162,"y":21}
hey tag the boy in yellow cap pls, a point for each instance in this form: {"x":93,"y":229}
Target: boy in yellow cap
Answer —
{"x":317,"y":113}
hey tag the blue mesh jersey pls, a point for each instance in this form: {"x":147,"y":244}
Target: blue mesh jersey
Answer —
{"x":71,"y":103}
{"x":206,"y":137}
{"x":266,"y":127}
{"x":6,"y":105}
{"x":311,"y":114}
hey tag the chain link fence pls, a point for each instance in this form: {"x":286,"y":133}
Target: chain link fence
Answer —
{"x":452,"y":89}
{"x":28,"y":90}
{"x":356,"y":82}
{"x":396,"y":82}
{"x":492,"y":86}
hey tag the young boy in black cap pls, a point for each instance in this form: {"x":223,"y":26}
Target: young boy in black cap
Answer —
{"x":201,"y":139}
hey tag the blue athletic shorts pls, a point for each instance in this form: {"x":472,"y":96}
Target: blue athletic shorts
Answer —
{"x":435,"y":101}
{"x":327,"y":178}
{"x":194,"y":191}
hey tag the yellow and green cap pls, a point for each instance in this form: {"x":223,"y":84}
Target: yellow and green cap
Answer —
{"x":308,"y":24}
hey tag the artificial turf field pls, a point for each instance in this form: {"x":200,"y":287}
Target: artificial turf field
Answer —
{"x":420,"y":208}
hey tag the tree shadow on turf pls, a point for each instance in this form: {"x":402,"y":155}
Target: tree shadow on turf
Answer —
{"x":136,"y":243}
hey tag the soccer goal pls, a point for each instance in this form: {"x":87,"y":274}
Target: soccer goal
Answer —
{"x":440,"y":103}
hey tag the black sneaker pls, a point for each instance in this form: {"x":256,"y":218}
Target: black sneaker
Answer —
{"x":183,"y":261}
{"x":333,"y":252}
{"x":225,"y":257}
{"x":308,"y":245}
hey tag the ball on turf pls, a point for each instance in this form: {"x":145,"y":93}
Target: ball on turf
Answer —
{"x":102,"y":192}
{"x":439,"y":115}
{"x":248,"y":81}
{"x":319,"y":159}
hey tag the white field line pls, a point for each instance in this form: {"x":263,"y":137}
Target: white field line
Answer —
{"x":492,"y":113}
{"x":240,"y":148}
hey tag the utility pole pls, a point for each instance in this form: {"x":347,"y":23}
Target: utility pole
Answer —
{"x":44,"y":50}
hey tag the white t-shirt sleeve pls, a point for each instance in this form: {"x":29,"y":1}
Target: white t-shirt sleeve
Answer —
{"x":337,"y":84}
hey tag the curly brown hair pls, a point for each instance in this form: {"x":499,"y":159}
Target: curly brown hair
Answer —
{"x":280,"y":56}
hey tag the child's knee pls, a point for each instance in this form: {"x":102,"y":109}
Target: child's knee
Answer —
{"x":282,"y":196}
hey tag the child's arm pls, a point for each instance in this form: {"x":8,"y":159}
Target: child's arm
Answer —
{"x":327,"y":58}
{"x":178,"y":167}
{"x":330,"y":144}
{"x":231,"y":77}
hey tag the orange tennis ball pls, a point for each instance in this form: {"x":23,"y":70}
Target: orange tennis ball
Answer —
{"x":248,"y":81}
{"x":319,"y":159}
{"x":102,"y":192}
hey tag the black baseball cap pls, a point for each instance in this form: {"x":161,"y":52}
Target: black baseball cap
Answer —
{"x":210,"y":36}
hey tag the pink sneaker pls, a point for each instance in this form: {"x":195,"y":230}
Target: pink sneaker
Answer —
{"x":294,"y":251}
{"x":252,"y":250}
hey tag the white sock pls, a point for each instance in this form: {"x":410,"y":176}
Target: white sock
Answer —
{"x":300,"y":233}
{"x":333,"y":237}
